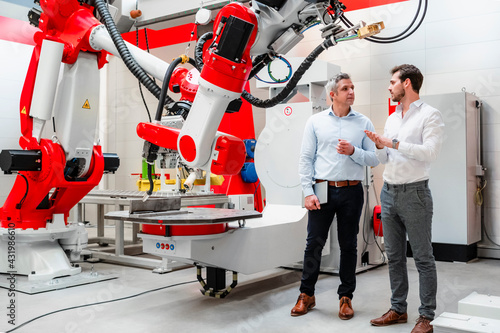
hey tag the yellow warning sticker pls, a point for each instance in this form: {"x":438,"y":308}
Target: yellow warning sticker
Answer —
{"x":23,"y":111}
{"x":86,"y":105}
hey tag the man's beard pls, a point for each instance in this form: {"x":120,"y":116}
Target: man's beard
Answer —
{"x":398,"y":97}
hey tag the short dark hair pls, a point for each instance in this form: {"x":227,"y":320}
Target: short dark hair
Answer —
{"x":410,"y":72}
{"x":333,"y":83}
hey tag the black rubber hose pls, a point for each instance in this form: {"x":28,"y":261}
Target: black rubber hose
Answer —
{"x":166,"y":82}
{"x":192,"y":62}
{"x":304,"y":66}
{"x":396,"y":38}
{"x":164,"y":88}
{"x":198,"y":50}
{"x":258,"y":63}
{"x":127,"y":58}
{"x":150,"y":178}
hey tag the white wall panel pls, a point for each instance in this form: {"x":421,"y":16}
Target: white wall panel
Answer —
{"x":13,"y":55}
{"x":10,"y":109}
{"x":358,"y":69}
{"x":382,"y":64}
{"x":463,"y":31}
{"x":379,"y":94}
{"x":492,"y":159}
{"x":466,"y":57}
{"x":481,"y":82}
{"x":491,"y":110}
{"x":363,"y":109}
{"x":10,"y":88}
{"x":379,"y":114}
{"x":362,"y":92}
{"x":130,"y":149}
{"x":413,"y":43}
{"x":14,"y":61}
{"x":441,"y":10}
{"x":491,"y":138}
{"x":492,"y":199}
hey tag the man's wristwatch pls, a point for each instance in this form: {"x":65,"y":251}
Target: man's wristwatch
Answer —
{"x":394,"y":143}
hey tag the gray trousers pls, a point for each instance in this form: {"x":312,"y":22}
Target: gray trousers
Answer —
{"x":407,"y":210}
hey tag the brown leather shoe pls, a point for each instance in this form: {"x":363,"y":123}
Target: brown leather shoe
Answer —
{"x":389,"y":318}
{"x":423,"y":326}
{"x":345,"y":308}
{"x":304,"y":304}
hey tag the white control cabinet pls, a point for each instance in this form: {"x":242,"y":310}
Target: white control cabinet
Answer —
{"x":454,"y":178}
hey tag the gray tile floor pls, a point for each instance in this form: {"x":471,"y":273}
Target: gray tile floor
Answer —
{"x":260,"y":303}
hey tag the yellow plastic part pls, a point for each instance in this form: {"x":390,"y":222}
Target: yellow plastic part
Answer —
{"x":143,"y":184}
{"x":214,"y":180}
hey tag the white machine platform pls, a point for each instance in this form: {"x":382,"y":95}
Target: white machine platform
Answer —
{"x":476,"y":313}
{"x":458,"y":323}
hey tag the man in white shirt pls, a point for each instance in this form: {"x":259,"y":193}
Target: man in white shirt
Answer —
{"x":335,"y":150}
{"x":412,"y":139}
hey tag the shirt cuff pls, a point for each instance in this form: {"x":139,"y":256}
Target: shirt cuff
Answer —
{"x":404,"y":147}
{"x":356,"y":154}
{"x":381,"y":152}
{"x":308,"y":191}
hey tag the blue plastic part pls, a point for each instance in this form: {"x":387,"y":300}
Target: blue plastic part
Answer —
{"x":248,"y":173}
{"x":250,"y":147}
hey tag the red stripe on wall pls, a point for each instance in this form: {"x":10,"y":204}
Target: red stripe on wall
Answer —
{"x":164,"y":37}
{"x":362,"y":4}
{"x":17,"y":31}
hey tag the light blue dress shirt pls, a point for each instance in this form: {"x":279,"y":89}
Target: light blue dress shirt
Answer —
{"x":319,"y":158}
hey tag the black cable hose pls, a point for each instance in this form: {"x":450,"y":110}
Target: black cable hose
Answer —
{"x":20,"y":204}
{"x":166,"y":82}
{"x":399,"y":37}
{"x":192,"y":62}
{"x":304,"y":66}
{"x":164,"y":88}
{"x":150,"y":178}
{"x":127,"y":58}
{"x":259,"y":62}
{"x":98,"y":303}
{"x":159,"y":109}
{"x":140,"y":84}
{"x":198,"y":50}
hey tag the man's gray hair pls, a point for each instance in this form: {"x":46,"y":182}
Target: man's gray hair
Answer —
{"x":332,"y":84}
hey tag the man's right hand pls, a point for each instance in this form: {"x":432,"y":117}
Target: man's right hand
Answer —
{"x":312,"y":202}
{"x":379,"y":140}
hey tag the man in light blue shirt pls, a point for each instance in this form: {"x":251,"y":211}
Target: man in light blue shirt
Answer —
{"x":335,"y":149}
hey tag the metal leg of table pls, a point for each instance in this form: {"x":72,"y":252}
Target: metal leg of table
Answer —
{"x":136,"y":227}
{"x":119,"y":237}
{"x":100,"y":220}
{"x":79,"y":212}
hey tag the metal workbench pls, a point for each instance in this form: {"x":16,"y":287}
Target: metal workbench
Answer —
{"x":120,"y":199}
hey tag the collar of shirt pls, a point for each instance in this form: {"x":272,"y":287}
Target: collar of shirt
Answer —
{"x":351,"y":113}
{"x":415,"y":105}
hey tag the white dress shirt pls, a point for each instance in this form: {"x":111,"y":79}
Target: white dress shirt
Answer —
{"x":420,"y":135}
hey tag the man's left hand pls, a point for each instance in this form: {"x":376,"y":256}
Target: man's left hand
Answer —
{"x":345,"y":147}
